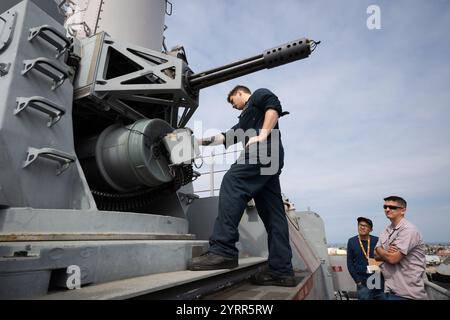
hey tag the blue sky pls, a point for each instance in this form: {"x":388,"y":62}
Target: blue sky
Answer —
{"x":370,"y":109}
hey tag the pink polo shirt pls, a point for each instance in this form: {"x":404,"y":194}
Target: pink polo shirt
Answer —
{"x":406,"y":277}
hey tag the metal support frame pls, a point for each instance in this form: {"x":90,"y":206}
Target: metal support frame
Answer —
{"x":149,"y":79}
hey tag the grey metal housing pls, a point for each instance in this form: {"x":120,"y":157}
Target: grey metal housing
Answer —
{"x":33,"y":153}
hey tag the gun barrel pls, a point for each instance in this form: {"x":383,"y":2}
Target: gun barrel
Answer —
{"x":271,"y":58}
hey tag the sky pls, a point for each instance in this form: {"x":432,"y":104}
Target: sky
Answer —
{"x":369,"y":109}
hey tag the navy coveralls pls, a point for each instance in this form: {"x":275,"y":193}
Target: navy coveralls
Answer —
{"x":244,"y":181}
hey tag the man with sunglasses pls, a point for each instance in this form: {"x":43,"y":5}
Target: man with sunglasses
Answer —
{"x":360,"y":254}
{"x":402,"y":250}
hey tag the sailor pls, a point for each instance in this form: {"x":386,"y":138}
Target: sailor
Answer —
{"x":360,"y":255}
{"x":254,"y":175}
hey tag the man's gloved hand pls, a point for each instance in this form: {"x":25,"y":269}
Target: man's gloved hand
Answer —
{"x":212,"y":141}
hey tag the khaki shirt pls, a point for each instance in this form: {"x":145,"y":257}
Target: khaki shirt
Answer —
{"x":406,"y":277}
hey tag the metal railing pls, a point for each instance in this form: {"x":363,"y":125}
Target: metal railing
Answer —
{"x":430,"y":287}
{"x":212,"y":172}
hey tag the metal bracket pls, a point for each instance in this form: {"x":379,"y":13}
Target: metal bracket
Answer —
{"x":43,"y":32}
{"x":41,"y":104}
{"x":50,"y":71}
{"x":64,"y":159}
{"x":169,"y":8}
{"x":188,"y":197}
{"x":8,"y":29}
{"x":4,"y":69}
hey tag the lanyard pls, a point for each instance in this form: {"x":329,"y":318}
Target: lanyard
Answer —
{"x":367,"y":255}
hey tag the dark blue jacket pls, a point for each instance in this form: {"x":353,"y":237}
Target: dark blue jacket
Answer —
{"x":356,"y":261}
{"x":252,"y":117}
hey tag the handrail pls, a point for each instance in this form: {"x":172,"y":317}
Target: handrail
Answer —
{"x":437,"y":288}
{"x":218,"y":154}
{"x":218,"y":171}
{"x":203,"y":191}
{"x":213,"y":172}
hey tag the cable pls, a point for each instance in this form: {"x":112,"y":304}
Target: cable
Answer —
{"x":138,"y":132}
{"x":201,"y":164}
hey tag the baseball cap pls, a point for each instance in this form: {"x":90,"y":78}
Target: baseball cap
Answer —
{"x":369,"y":222}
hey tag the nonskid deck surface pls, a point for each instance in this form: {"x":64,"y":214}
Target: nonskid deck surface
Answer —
{"x":248,"y":291}
{"x":143,"y":286}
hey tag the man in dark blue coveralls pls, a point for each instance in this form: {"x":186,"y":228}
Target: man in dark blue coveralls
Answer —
{"x":255,"y":175}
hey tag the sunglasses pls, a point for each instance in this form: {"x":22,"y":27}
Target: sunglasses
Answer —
{"x":391,"y":207}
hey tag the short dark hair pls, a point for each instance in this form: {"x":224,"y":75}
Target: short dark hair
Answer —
{"x":397,"y":199}
{"x":236,"y":89}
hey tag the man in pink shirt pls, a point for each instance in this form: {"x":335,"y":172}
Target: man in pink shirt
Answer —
{"x":402,"y":250}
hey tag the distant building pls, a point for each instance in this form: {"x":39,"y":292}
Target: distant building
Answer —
{"x":443,"y":252}
{"x":337,"y":252}
{"x":432,"y":260}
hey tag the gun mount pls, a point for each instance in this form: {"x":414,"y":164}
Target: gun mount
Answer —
{"x":137,"y":85}
{"x":111,"y":105}
{"x":96,"y":162}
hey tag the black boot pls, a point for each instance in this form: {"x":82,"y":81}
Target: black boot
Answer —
{"x":266,"y":279}
{"x":211,"y":261}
